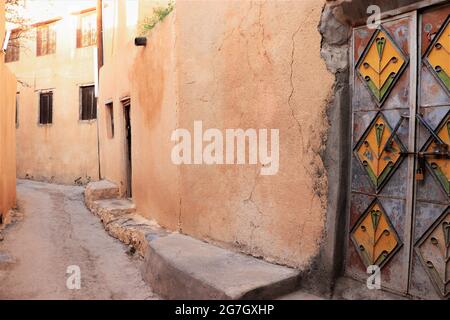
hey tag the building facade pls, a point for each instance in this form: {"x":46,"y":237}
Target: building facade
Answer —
{"x":344,"y":122}
{"x":228,"y":65}
{"x":7,"y":131}
{"x":360,"y":182}
{"x":54,"y":62}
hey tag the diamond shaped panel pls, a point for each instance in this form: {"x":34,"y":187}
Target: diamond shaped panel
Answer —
{"x":381,"y":64}
{"x":378,"y":152}
{"x":374,"y":236}
{"x":438,"y":56}
{"x":434,"y":253}
{"x":439,"y":166}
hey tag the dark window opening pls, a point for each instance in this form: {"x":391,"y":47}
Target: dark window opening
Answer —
{"x":88,"y":103}
{"x":17,"y":109}
{"x":46,"y":40}
{"x":46,"y":108}
{"x":110,"y":120}
{"x":126,"y":108}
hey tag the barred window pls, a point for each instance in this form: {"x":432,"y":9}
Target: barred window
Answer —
{"x":87,"y":30}
{"x":46,"y":108}
{"x":46,"y":39}
{"x":13,"y":49}
{"x":88,"y":103}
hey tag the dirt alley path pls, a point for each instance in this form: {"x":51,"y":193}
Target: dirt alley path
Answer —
{"x":57,"y":231}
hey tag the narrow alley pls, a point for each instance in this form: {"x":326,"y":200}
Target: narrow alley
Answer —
{"x":189,"y":150}
{"x":55,"y":231}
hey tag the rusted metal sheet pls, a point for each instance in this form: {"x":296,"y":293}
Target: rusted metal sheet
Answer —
{"x":432,"y":22}
{"x":378,"y":225}
{"x":432,"y":93}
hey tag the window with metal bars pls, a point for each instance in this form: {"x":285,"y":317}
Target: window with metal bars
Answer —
{"x":88,"y":103}
{"x":46,"y":39}
{"x":13,"y":49}
{"x":46,"y":108}
{"x":87,"y":30}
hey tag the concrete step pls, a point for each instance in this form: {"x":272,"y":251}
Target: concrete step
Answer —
{"x":100,"y":190}
{"x":132,"y":229}
{"x":180,"y":267}
{"x":111,"y":209}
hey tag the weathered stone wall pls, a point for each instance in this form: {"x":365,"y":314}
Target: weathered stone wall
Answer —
{"x":230,"y":65}
{"x":7,"y":130}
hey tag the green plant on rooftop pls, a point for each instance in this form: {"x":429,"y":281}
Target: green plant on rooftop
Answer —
{"x":159,"y":13}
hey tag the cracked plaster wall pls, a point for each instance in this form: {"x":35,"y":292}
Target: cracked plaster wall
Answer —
{"x":7,"y":131}
{"x":256,"y":65}
{"x":232,"y":64}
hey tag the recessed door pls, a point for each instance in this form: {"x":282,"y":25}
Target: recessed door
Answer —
{"x":128,"y":145}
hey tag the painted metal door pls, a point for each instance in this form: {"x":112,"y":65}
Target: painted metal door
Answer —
{"x":399,"y":218}
{"x":430,"y":270}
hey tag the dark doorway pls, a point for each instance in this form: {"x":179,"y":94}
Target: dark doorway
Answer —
{"x":128,"y":161}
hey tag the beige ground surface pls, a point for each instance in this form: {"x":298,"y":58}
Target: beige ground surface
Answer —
{"x":57,"y":231}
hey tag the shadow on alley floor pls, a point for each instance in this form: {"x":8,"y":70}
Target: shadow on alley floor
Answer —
{"x":57,"y":231}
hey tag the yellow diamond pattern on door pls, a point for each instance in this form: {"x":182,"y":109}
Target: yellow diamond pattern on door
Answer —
{"x":439,"y":55}
{"x":378,"y":152}
{"x":434,"y":252}
{"x":440,"y":165}
{"x":374,"y":237}
{"x":381,"y":65}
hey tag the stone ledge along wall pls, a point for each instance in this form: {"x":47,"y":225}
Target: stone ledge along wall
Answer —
{"x":7,"y":130}
{"x":230,"y":65}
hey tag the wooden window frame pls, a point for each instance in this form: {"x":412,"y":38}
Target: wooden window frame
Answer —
{"x":87,"y":38}
{"x":13,"y":50}
{"x":90,"y":110}
{"x":49,"y":30}
{"x":46,"y":120}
